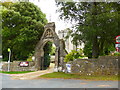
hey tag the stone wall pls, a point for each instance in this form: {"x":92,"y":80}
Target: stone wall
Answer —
{"x":14,"y":66}
{"x":104,"y":65}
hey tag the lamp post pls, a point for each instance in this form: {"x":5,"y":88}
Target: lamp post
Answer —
{"x":9,"y":59}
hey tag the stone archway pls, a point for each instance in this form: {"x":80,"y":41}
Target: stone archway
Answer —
{"x":50,"y":35}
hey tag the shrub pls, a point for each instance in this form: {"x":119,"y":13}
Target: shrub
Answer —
{"x":52,"y":51}
{"x":29,"y":59}
{"x":117,"y":54}
{"x":72,"y":55}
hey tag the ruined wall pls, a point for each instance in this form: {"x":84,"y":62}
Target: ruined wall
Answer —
{"x":104,"y":65}
{"x":14,"y":66}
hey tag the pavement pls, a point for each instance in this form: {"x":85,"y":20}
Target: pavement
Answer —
{"x":8,"y":82}
{"x":29,"y":80}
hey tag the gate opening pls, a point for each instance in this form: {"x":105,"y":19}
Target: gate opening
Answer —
{"x":49,"y":55}
{"x":49,"y":34}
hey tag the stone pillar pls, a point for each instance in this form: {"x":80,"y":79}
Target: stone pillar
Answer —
{"x":38,"y":56}
{"x":37,"y":61}
{"x":56,"y":57}
{"x":42,"y":63}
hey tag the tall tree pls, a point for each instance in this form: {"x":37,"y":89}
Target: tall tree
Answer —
{"x":96,"y":22}
{"x":22,"y":26}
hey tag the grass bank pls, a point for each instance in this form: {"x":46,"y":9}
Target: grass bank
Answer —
{"x":15,"y":72}
{"x":77,"y":76}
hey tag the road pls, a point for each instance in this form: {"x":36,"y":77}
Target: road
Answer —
{"x":8,"y":82}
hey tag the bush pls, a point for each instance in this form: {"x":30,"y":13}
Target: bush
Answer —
{"x":29,"y":59}
{"x":117,"y":54}
{"x":72,"y":55}
{"x":52,"y":51}
{"x":88,"y":50}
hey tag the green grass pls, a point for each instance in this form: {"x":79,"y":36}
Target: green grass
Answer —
{"x":15,"y":72}
{"x":77,"y":76}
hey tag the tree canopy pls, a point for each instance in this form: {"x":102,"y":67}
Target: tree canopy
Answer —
{"x":97,"y":24}
{"x":22,"y":26}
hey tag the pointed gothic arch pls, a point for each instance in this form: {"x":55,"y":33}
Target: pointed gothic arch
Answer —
{"x":49,"y":34}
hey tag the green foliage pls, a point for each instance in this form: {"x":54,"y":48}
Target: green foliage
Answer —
{"x":29,"y":10}
{"x":29,"y":59}
{"x":15,"y":72}
{"x":22,"y":27}
{"x":80,"y":51}
{"x":117,"y":54}
{"x":46,"y":60}
{"x":0,"y":33}
{"x":47,"y":49}
{"x":96,"y":24}
{"x":88,"y":50}
{"x":6,"y":4}
{"x":52,"y":51}
{"x":72,"y":56}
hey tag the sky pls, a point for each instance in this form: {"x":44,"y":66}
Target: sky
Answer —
{"x":49,"y":8}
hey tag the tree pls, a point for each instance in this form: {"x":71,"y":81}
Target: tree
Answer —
{"x":96,"y":23}
{"x":0,"y":34}
{"x":22,"y":26}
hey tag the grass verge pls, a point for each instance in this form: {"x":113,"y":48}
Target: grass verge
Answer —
{"x":77,"y":76}
{"x":15,"y":72}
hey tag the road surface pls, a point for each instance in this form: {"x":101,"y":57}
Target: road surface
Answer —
{"x":8,"y":82}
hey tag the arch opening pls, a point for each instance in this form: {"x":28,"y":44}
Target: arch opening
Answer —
{"x":49,"y":55}
{"x":49,"y":35}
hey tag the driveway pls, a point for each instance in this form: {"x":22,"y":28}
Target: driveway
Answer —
{"x":32,"y":75}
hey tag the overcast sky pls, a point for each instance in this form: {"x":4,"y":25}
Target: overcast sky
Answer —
{"x":49,"y":8}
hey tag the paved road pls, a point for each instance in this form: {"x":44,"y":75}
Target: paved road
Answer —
{"x":7,"y":82}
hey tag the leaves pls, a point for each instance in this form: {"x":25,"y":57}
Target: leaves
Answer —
{"x":72,"y":56}
{"x":22,"y":26}
{"x":93,"y":20}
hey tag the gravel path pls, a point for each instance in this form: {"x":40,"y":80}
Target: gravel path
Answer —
{"x":32,"y":75}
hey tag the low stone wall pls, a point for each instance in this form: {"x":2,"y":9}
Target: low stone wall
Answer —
{"x":14,"y":66}
{"x":104,"y":65}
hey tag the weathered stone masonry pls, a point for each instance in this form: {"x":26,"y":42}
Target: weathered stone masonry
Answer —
{"x":49,"y":35}
{"x":104,"y":65}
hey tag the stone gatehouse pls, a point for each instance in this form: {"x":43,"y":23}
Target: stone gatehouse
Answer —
{"x":50,"y":35}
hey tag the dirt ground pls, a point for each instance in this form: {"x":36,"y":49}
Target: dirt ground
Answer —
{"x":33,"y":75}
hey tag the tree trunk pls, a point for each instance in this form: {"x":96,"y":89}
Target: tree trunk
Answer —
{"x":95,"y":48}
{"x":101,"y":47}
